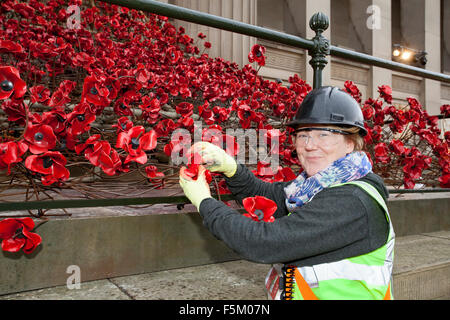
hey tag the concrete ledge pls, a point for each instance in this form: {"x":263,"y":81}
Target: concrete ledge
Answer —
{"x":421,"y":271}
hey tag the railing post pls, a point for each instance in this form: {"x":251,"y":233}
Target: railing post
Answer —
{"x":319,"y":23}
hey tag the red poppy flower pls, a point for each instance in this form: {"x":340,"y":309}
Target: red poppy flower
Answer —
{"x":24,"y":9}
{"x":51,"y":165}
{"x":381,"y":153}
{"x":39,"y":94}
{"x":257,"y":54}
{"x":353,"y":90}
{"x":445,"y":110}
{"x":288,"y":157}
{"x":10,"y":82}
{"x":206,"y":114}
{"x":56,"y":119}
{"x":156,"y":178}
{"x":246,"y":115}
{"x":10,"y":153}
{"x":164,"y":127}
{"x":61,"y":95}
{"x":15,"y":111}
{"x":82,"y":59}
{"x":10,"y":46}
{"x":100,"y":154}
{"x":398,"y":147}
{"x":135,"y":141}
{"x":284,"y":174}
{"x":192,"y":170}
{"x":123,"y":124}
{"x":173,"y":54}
{"x":185,"y":109}
{"x":150,"y":110}
{"x":40,"y":138}
{"x":259,"y":208}
{"x":79,"y":119}
{"x":368,"y":111}
{"x":94,"y":150}
{"x":385,"y":93}
{"x":444,"y":181}
{"x":16,"y":234}
{"x":95,"y":91}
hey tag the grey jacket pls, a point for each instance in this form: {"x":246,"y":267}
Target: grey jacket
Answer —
{"x":338,"y":223}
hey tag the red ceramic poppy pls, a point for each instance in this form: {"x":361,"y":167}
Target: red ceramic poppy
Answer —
{"x":10,"y":46}
{"x":10,"y":153}
{"x":95,"y":91}
{"x":257,"y":54}
{"x":259,"y":208}
{"x":10,"y":82}
{"x":284,"y":174}
{"x":39,"y":94}
{"x":385,"y":93}
{"x":156,"y":178}
{"x":192,"y":170}
{"x":16,"y":234}
{"x":123,"y":124}
{"x":397,"y":146}
{"x":135,"y":141}
{"x":444,"y":181}
{"x":381,"y":153}
{"x":185,"y":109}
{"x":51,"y":165}
{"x":40,"y":138}
{"x":79,"y":119}
{"x":353,"y":90}
{"x":246,"y":115}
{"x":61,"y":95}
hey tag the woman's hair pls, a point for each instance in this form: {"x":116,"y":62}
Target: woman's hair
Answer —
{"x":355,"y":137}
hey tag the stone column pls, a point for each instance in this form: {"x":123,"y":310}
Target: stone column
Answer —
{"x":432,"y":88}
{"x":379,"y":21}
{"x":228,"y":45}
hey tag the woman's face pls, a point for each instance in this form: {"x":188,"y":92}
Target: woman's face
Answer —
{"x":318,"y":149}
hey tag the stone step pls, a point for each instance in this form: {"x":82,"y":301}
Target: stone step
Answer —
{"x":422,"y":266}
{"x":421,"y":272}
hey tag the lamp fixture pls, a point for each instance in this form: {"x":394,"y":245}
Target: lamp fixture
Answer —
{"x":408,"y":55}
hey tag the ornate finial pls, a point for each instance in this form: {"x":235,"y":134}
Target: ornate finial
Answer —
{"x":319,"y":23}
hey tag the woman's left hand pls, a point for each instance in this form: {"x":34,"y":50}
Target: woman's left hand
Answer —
{"x":195,"y":190}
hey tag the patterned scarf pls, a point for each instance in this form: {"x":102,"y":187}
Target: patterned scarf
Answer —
{"x":353,"y":166}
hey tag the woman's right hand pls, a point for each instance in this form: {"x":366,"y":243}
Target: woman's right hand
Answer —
{"x":215,"y":158}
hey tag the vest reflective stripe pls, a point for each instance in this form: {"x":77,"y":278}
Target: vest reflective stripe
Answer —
{"x":365,"y":276}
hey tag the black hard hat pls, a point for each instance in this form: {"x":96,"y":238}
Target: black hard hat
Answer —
{"x":329,"y":105}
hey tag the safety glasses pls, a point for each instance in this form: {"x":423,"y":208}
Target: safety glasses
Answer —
{"x":322,"y":136}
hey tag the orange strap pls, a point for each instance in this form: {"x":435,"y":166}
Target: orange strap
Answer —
{"x":388,"y":293}
{"x":305,"y":290}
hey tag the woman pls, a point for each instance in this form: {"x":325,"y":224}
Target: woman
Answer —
{"x":332,"y":237}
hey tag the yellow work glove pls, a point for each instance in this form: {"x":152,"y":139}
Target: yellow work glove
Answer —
{"x":215,"y":158}
{"x":195,"y":190}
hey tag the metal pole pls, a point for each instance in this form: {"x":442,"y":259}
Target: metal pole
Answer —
{"x":319,"y":23}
